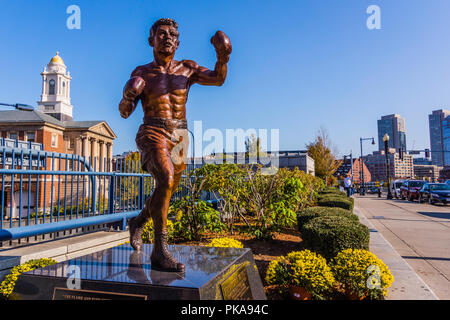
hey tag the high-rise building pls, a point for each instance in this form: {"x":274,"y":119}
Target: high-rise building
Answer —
{"x":439,"y":122}
{"x":446,"y":140}
{"x":394,"y":126}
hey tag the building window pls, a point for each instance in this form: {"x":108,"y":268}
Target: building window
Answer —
{"x":31,"y":137}
{"x":71,"y":143}
{"x":13,"y":135}
{"x":51,"y":88}
{"x":54,"y":140}
{"x":49,"y":108}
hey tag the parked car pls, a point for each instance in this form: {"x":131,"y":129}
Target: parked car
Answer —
{"x":395,"y":188}
{"x":435,"y":192}
{"x":410,"y":189}
{"x":373,"y":190}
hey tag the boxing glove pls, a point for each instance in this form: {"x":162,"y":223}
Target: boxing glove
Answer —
{"x":223,"y":47}
{"x":133,"y":88}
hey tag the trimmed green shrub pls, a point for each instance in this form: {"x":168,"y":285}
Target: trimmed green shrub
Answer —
{"x":339,"y":202}
{"x":336,"y":192}
{"x":305,"y":215}
{"x":331,"y":195}
{"x":331,"y":189}
{"x":331,"y":234}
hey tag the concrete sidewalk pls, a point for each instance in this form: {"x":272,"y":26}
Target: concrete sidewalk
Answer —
{"x":407,"y":284}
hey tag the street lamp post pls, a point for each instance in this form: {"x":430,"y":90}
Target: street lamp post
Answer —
{"x":193,"y":149}
{"x":386,"y":151}
{"x":361,"y":187}
{"x":18,"y":106}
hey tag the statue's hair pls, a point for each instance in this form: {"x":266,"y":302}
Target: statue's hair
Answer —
{"x":162,"y":22}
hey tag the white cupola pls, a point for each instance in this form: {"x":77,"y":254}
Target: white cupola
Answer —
{"x":55,"y":97}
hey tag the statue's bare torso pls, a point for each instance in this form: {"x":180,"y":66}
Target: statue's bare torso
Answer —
{"x":166,"y":91}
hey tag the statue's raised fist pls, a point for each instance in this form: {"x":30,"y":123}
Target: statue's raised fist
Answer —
{"x":134,"y":87}
{"x":222,"y":44}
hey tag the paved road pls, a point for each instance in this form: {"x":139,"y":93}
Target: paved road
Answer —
{"x":420,"y":233}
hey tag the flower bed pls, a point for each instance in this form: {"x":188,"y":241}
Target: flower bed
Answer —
{"x":7,"y":286}
{"x":304,"y":269}
{"x":362,"y":274}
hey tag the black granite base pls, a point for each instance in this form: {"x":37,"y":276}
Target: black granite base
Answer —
{"x":122,"y":273}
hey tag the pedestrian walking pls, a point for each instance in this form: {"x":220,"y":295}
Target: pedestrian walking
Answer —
{"x":348,"y":184}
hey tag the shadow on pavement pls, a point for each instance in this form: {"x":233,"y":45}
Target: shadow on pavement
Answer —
{"x":441,"y":215}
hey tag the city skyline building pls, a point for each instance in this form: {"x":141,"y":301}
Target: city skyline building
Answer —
{"x":398,"y":168}
{"x":446,"y":140}
{"x":394,"y":126}
{"x":439,"y":124}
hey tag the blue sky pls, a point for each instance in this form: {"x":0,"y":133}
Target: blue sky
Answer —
{"x":296,"y":65}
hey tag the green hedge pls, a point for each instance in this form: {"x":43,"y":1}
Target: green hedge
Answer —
{"x":305,"y":215}
{"x":321,"y":196}
{"x":331,"y":234}
{"x":333,"y":191}
{"x":337,"y":201}
{"x":330,"y":190}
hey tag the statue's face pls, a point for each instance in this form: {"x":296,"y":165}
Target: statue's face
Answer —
{"x":165,"y":40}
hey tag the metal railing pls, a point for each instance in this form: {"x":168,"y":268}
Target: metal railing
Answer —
{"x":46,"y":192}
{"x":14,"y":143}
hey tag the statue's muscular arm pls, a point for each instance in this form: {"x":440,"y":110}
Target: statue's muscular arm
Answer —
{"x":204,"y":76}
{"x":131,"y":93}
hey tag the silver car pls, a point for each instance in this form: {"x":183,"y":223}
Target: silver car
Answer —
{"x":395,"y":188}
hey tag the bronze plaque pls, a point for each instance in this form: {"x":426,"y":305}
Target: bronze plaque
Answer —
{"x":237,"y":286}
{"x":90,"y":295}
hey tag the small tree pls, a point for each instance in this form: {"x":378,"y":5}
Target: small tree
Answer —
{"x":324,"y":155}
{"x":226,"y":183}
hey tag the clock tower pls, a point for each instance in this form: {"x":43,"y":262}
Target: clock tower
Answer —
{"x":55,"y":97}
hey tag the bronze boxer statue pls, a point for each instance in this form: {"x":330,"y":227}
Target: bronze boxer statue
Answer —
{"x":163,"y":86}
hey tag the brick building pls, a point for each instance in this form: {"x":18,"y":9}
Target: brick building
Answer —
{"x":398,"y":169}
{"x":53,"y":129}
{"x":427,"y":172}
{"x":346,"y":168}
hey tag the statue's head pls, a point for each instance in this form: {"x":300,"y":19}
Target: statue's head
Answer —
{"x":164,"y":36}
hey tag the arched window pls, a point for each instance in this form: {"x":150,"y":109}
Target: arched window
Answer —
{"x":51,"y":88}
{"x":64,"y":88}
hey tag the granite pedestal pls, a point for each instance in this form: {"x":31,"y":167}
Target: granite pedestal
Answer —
{"x":122,"y":273}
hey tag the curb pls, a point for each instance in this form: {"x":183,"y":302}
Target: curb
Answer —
{"x":407,"y":283}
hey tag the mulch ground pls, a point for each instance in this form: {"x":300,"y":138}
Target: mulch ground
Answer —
{"x":264,"y":251}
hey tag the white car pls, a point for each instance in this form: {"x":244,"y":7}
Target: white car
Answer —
{"x":395,"y":188}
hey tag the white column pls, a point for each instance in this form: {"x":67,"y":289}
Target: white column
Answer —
{"x":101,"y":154}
